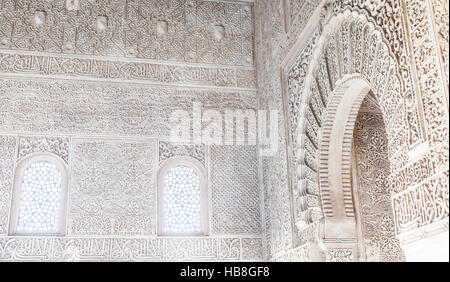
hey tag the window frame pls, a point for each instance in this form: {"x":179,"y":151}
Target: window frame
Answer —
{"x":19,"y":171}
{"x":201,"y":172}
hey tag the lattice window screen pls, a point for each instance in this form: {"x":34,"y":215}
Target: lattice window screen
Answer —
{"x":40,"y":198}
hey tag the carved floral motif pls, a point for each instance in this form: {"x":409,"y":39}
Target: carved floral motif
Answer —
{"x":168,"y":150}
{"x":56,"y":145}
{"x":112,"y":189}
{"x":370,"y":145}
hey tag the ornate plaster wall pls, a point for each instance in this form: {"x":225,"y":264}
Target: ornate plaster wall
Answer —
{"x":277,"y":28}
{"x":96,"y":83}
{"x":317,"y":51}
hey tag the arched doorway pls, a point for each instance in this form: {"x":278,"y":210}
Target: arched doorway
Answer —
{"x":325,"y":82}
{"x":353,"y":175}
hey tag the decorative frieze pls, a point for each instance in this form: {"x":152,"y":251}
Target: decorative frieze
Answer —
{"x":432,"y":163}
{"x":7,"y":161}
{"x":422,"y":204}
{"x":66,"y":67}
{"x":68,"y":107}
{"x":128,"y":249}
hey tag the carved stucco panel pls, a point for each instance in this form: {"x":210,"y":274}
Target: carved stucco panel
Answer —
{"x":440,"y":15}
{"x":56,"y":145}
{"x":234,"y":200}
{"x":388,"y":16}
{"x":378,"y":229}
{"x":168,"y":150}
{"x":386,"y":66}
{"x":112,"y":188}
{"x":128,"y":249}
{"x":170,"y":30}
{"x":427,"y":67}
{"x":102,"y":69}
{"x":377,"y":69}
{"x":103,"y":108}
{"x":339,"y":255}
{"x":300,"y":254}
{"x":422,"y":204}
{"x":272,"y":43}
{"x":252,"y":249}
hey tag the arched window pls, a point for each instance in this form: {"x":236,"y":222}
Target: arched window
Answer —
{"x":39,"y":198}
{"x":183,"y":198}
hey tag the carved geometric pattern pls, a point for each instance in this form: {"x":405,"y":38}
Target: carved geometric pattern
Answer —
{"x":112,"y":189}
{"x":400,"y":47}
{"x":426,"y":62}
{"x":272,"y":43}
{"x":440,"y":9}
{"x":298,"y":9}
{"x":277,"y":208}
{"x":235,"y":201}
{"x":252,"y":249}
{"x":129,"y":29}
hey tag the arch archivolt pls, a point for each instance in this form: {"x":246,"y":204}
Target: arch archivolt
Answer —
{"x":336,"y":146}
{"x":351,"y":51}
{"x":350,"y":58}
